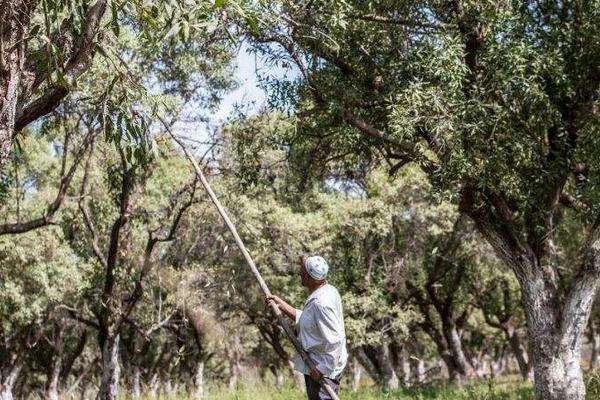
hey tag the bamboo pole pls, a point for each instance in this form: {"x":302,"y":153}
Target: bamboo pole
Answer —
{"x":263,"y":285}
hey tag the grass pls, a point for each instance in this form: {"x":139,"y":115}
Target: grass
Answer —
{"x":512,"y":389}
{"x":474,"y":392}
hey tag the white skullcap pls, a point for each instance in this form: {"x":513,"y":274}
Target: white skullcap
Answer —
{"x":317,"y":267}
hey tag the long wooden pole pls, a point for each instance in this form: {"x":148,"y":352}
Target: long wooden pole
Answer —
{"x":263,"y":285}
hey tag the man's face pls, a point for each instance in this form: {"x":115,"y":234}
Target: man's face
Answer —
{"x":304,"y":276}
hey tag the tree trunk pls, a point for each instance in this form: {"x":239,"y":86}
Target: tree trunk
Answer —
{"x":168,"y":387}
{"x":356,"y":374}
{"x":460,"y":365}
{"x":388,"y":372}
{"x":405,"y":369}
{"x":366,"y":362}
{"x":199,"y":381}
{"x":555,"y":345}
{"x":15,"y":18}
{"x":236,"y":370}
{"x":84,"y":389}
{"x":594,"y":339}
{"x":154,"y":385}
{"x":417,"y":369}
{"x":499,"y":365}
{"x":520,"y":353}
{"x":53,"y":379}
{"x":555,"y":321}
{"x":279,"y":379}
{"x":8,"y":381}
{"x":109,"y":383}
{"x":136,"y":389}
{"x":296,"y":376}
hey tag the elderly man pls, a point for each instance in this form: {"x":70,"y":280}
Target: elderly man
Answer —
{"x":320,"y":326}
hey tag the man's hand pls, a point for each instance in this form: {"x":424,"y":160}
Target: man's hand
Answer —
{"x":272,"y":299}
{"x":285,"y":308}
{"x":316,"y":374}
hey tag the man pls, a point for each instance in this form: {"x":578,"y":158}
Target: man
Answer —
{"x":320,"y":326}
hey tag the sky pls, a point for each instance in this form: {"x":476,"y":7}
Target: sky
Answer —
{"x":248,"y":97}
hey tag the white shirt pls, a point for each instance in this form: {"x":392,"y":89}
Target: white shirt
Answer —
{"x":321,"y":332}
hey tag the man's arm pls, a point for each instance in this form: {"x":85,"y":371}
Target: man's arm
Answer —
{"x":283,"y":306}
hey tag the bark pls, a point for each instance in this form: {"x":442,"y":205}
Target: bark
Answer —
{"x":14,"y":18}
{"x":109,"y":382}
{"x":368,"y":362}
{"x":414,"y":357}
{"x":520,"y":353}
{"x":199,"y":391}
{"x":378,"y":363}
{"x":19,"y":83}
{"x":8,"y":380}
{"x":70,"y":360}
{"x":154,"y":385}
{"x":499,"y":365}
{"x":448,"y":356}
{"x":405,"y":369}
{"x":53,"y":379}
{"x":594,"y":339}
{"x":389,"y":379}
{"x":168,"y":387}
{"x":460,"y":364}
{"x":236,"y":369}
{"x":279,"y":379}
{"x":84,"y":389}
{"x":136,"y":390}
{"x":356,"y":374}
{"x":557,"y":371}
{"x":417,"y":370}
{"x":555,"y":322}
{"x":296,"y":376}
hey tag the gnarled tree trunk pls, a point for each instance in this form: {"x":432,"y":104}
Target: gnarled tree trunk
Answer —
{"x":460,"y":365}
{"x":555,"y":349}
{"x":53,"y":379}
{"x":111,"y":370}
{"x":520,"y":353}
{"x":14,"y":17}
{"x":8,"y":380}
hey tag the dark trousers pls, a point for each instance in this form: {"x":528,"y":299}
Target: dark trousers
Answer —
{"x":316,"y":391}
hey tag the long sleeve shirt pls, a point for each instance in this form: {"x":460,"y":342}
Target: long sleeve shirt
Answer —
{"x":321,"y":332}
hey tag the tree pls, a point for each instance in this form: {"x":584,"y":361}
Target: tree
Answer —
{"x":33,"y":284}
{"x":39,"y":70}
{"x":401,"y":258}
{"x":143,"y":211}
{"x":496,"y":103}
{"x":49,"y":48}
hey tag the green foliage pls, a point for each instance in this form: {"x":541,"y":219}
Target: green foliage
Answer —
{"x":39,"y":271}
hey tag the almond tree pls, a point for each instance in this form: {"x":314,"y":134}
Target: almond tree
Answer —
{"x":48,"y":47}
{"x":496,"y":102}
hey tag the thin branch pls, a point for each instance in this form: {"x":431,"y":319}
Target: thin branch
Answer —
{"x":87,"y":218}
{"x":54,"y":206}
{"x":74,"y":313}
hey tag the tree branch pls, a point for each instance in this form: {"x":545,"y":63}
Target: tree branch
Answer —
{"x":52,"y":208}
{"x":87,"y":218}
{"x":77,"y":65}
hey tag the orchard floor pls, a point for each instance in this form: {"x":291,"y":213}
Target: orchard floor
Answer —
{"x":504,"y":390}
{"x":470,"y":393}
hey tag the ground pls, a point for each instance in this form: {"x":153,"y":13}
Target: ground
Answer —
{"x":512,"y":389}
